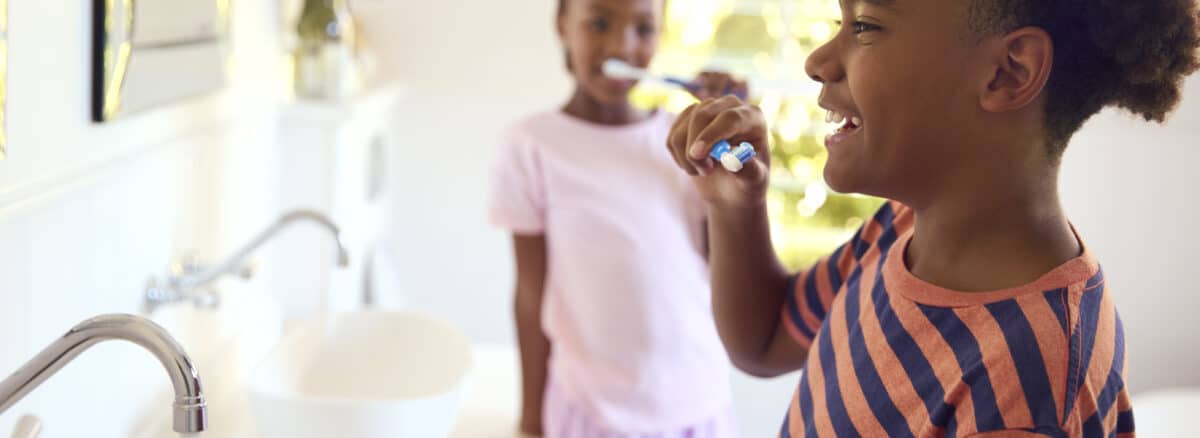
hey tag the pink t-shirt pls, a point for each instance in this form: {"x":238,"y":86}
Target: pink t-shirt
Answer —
{"x":627,"y":304}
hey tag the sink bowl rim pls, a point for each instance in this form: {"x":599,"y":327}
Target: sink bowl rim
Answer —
{"x":255,"y":389}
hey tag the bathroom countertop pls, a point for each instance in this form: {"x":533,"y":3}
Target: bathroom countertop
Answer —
{"x":492,"y":396}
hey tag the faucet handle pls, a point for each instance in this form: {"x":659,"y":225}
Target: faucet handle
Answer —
{"x":248,"y":269}
{"x":27,"y":427}
{"x":189,"y":266}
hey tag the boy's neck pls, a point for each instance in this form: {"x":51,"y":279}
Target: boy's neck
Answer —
{"x":992,"y":232}
{"x":583,"y":106}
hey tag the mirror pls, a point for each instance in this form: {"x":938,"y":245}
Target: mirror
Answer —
{"x":148,"y":53}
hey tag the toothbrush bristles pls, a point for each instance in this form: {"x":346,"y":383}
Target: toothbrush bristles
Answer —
{"x":615,"y":68}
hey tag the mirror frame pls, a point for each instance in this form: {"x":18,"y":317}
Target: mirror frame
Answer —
{"x":112,"y":48}
{"x":109,"y":60}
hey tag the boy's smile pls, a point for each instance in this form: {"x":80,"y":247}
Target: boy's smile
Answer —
{"x":844,"y":123}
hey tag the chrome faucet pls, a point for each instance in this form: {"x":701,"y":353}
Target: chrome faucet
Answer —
{"x":27,"y":427}
{"x":189,"y":409}
{"x":185,"y":285}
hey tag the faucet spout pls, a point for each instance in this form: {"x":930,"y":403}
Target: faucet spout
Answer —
{"x":191,"y":285}
{"x":234,"y":261}
{"x":189,"y":409}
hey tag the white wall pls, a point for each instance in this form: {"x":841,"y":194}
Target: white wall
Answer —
{"x":1130,"y":187}
{"x":469,"y":68}
{"x":88,"y":212}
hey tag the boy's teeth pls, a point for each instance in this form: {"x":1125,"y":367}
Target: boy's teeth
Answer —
{"x":839,"y":118}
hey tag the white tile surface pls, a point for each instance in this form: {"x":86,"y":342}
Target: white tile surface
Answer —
{"x":13,"y":305}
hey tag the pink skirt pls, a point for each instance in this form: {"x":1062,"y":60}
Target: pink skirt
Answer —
{"x":563,"y":419}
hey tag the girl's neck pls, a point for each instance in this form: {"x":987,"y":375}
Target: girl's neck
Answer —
{"x":585,"y":107}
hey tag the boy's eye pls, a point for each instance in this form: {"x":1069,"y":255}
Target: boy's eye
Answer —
{"x":598,"y":24}
{"x":860,"y":27}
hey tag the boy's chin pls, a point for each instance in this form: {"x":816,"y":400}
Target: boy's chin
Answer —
{"x":859,"y":181}
{"x":842,"y":180}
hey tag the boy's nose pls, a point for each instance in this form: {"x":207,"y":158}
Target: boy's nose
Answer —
{"x":823,"y":64}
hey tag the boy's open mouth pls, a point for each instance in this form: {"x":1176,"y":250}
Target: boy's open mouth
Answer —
{"x":848,"y":123}
{"x":845,"y":126}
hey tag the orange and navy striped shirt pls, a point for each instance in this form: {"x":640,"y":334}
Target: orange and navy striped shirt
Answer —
{"x":892,"y":355}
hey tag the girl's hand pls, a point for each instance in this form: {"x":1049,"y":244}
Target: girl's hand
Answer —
{"x":530,"y":426}
{"x":711,"y":85}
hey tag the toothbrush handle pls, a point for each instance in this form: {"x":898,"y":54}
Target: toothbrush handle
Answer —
{"x":691,"y":86}
{"x":741,"y":94}
{"x":687,"y":85}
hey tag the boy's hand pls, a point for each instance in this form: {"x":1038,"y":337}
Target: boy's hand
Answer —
{"x":700,"y":127}
{"x":711,"y":85}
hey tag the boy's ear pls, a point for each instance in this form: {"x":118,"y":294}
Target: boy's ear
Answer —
{"x":1021,"y":65}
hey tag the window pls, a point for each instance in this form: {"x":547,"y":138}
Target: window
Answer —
{"x":768,"y":41}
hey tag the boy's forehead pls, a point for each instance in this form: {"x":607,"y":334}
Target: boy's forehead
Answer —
{"x":879,"y":3}
{"x":904,"y":4}
{"x":621,"y":6}
{"x":930,"y":9}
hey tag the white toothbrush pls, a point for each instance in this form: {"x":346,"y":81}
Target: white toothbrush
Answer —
{"x":618,"y":69}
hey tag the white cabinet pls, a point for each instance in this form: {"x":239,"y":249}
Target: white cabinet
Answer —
{"x":333,"y":160}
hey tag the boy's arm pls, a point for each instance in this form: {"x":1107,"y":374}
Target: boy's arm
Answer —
{"x":535,"y":347}
{"x":749,"y":284}
{"x":749,"y":289}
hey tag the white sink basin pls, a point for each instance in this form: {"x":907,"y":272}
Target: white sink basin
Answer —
{"x":362,"y":374}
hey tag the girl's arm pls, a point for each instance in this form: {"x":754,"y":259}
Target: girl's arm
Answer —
{"x":534,"y":346}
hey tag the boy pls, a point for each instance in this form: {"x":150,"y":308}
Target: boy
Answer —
{"x":968,"y":305}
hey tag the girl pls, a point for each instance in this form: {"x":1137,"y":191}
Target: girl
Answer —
{"x":612,"y":306}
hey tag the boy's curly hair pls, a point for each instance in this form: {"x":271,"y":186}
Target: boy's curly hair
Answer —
{"x":1132,"y":54}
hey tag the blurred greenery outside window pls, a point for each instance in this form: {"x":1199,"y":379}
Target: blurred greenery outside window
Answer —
{"x":770,"y":40}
